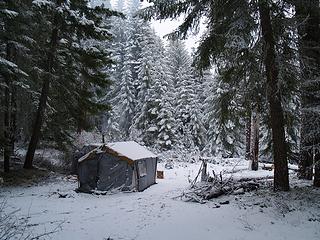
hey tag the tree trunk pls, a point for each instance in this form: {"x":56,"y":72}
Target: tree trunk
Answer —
{"x":316,"y":180}
{"x":6,"y":152}
{"x":305,"y":161}
{"x":103,"y":138}
{"x":305,"y":158}
{"x":254,"y":146}
{"x":13,"y":118}
{"x":248,"y":136}
{"x":9,"y":96}
{"x":281,"y":175}
{"x":204,"y":176}
{"x":28,"y":164}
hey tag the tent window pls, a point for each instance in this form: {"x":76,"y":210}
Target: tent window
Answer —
{"x":142,"y":168}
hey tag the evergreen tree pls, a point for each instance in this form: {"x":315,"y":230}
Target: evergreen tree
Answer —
{"x":152,"y":90}
{"x":126,"y":94}
{"x":184,"y":93}
{"x":281,"y":178}
{"x":15,"y":42}
{"x":308,"y":20}
{"x":165,"y":121}
{"x":233,"y":26}
{"x":146,"y":75}
{"x":74,"y":28}
{"x":126,"y":53}
{"x":222,"y":120}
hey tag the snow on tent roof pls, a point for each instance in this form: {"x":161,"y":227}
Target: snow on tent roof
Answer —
{"x":131,"y":150}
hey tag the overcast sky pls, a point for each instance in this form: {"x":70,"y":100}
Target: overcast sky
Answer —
{"x":163,"y":28}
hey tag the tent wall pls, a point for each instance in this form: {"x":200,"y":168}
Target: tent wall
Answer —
{"x":79,"y":154}
{"x":114,"y":173}
{"x":105,"y":172}
{"x":147,"y":176}
{"x":88,"y":174}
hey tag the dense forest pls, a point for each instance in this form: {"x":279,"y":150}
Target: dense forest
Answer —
{"x":110,"y":130}
{"x":251,"y":87}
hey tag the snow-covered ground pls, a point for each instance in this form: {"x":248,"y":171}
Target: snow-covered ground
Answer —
{"x":157,"y":213}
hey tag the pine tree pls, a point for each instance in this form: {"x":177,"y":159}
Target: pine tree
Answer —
{"x":308,"y":16}
{"x":126,"y":94}
{"x":184,"y":93}
{"x":126,"y":53}
{"x":221,"y":119}
{"x":281,"y":178}
{"x":74,"y":29}
{"x":165,"y":122}
{"x":146,"y":75}
{"x":154,"y":120}
{"x":14,"y":55}
{"x":233,"y":26}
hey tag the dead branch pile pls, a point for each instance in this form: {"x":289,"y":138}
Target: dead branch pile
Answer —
{"x":203,"y":191}
{"x":217,"y":186}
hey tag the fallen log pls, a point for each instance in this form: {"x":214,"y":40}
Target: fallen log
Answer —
{"x":255,"y":179}
{"x":214,"y":194}
{"x":202,"y":192}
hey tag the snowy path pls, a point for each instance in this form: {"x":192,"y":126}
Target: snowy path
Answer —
{"x":154,"y":214}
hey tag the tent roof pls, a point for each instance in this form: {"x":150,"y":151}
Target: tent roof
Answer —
{"x":131,"y":150}
{"x":128,"y":151}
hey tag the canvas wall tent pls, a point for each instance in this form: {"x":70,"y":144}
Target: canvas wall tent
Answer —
{"x":119,"y":165}
{"x":80,"y":153}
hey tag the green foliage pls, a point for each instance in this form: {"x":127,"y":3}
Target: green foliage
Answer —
{"x":78,"y":76}
{"x":232,"y":44}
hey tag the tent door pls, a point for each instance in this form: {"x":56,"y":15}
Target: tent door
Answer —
{"x":142,"y":175}
{"x":142,"y":183}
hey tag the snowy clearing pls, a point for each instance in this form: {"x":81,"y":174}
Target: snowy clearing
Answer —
{"x":157,"y":213}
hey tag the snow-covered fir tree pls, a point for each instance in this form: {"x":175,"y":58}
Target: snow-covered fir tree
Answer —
{"x":71,"y":49}
{"x":150,"y":78}
{"x":154,"y":92}
{"x":186,"y":103}
{"x":15,"y":63}
{"x":221,"y":119}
